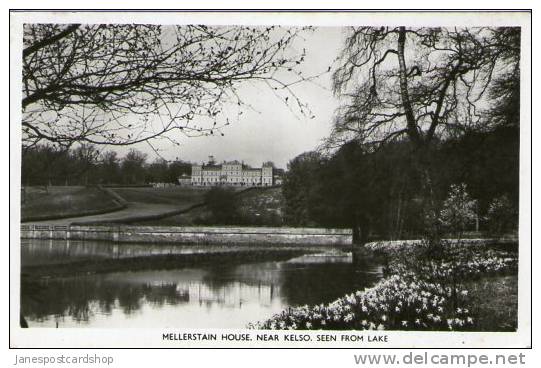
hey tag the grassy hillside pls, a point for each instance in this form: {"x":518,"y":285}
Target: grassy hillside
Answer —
{"x":183,"y":196}
{"x":55,"y":202}
{"x":263,"y":206}
{"x":256,"y":206}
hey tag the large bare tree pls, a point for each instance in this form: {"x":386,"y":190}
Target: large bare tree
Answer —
{"x":419,"y":83}
{"x":124,"y":84}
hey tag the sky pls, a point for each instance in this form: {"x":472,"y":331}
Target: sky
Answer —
{"x":268,"y":130}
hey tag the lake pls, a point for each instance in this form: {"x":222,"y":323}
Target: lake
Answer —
{"x":65,"y":283}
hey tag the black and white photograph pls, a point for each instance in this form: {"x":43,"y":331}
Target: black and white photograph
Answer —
{"x":264,"y":179}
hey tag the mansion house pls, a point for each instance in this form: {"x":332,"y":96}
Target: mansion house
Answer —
{"x":232,"y":173}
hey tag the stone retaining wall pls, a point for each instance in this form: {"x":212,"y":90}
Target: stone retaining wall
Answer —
{"x":197,"y":235}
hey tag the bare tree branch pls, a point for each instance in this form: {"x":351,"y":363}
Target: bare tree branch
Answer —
{"x":436,"y":84}
{"x":124,"y":84}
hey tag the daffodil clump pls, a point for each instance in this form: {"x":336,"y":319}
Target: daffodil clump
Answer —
{"x":450,"y":261}
{"x":395,"y":303}
{"x":389,"y":246}
{"x":420,"y":292}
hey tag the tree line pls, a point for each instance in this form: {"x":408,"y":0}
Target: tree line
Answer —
{"x":377,"y":193}
{"x":86,"y":165}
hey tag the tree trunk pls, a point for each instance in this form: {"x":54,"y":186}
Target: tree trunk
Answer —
{"x":398,"y":216}
{"x":421,"y":144}
{"x":361,"y":229}
{"x":412,"y":131}
{"x":356,"y":232}
{"x":430,"y":209}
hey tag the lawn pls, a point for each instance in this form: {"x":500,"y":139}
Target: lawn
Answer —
{"x":494,"y":301}
{"x":42,"y":203}
{"x":180,"y":196}
{"x":143,"y":205}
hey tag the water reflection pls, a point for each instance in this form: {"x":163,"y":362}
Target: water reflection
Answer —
{"x":220,"y":295}
{"x":50,"y":252}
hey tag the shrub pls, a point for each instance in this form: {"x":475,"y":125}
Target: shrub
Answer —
{"x":501,"y":215}
{"x":459,"y":210}
{"x":223,"y":206}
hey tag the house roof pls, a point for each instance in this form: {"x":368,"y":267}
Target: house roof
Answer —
{"x":234,"y":162}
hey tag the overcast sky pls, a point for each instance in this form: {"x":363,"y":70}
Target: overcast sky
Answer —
{"x":269,"y":130}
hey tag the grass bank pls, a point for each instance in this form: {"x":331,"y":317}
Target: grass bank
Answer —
{"x":42,"y":203}
{"x":255,"y":206}
{"x":178,"y":196}
{"x":495,"y":302}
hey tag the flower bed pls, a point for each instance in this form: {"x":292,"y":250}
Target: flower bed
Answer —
{"x":421,"y":292}
{"x":396,"y":245}
{"x":394,"y":303}
{"x":453,"y":260}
